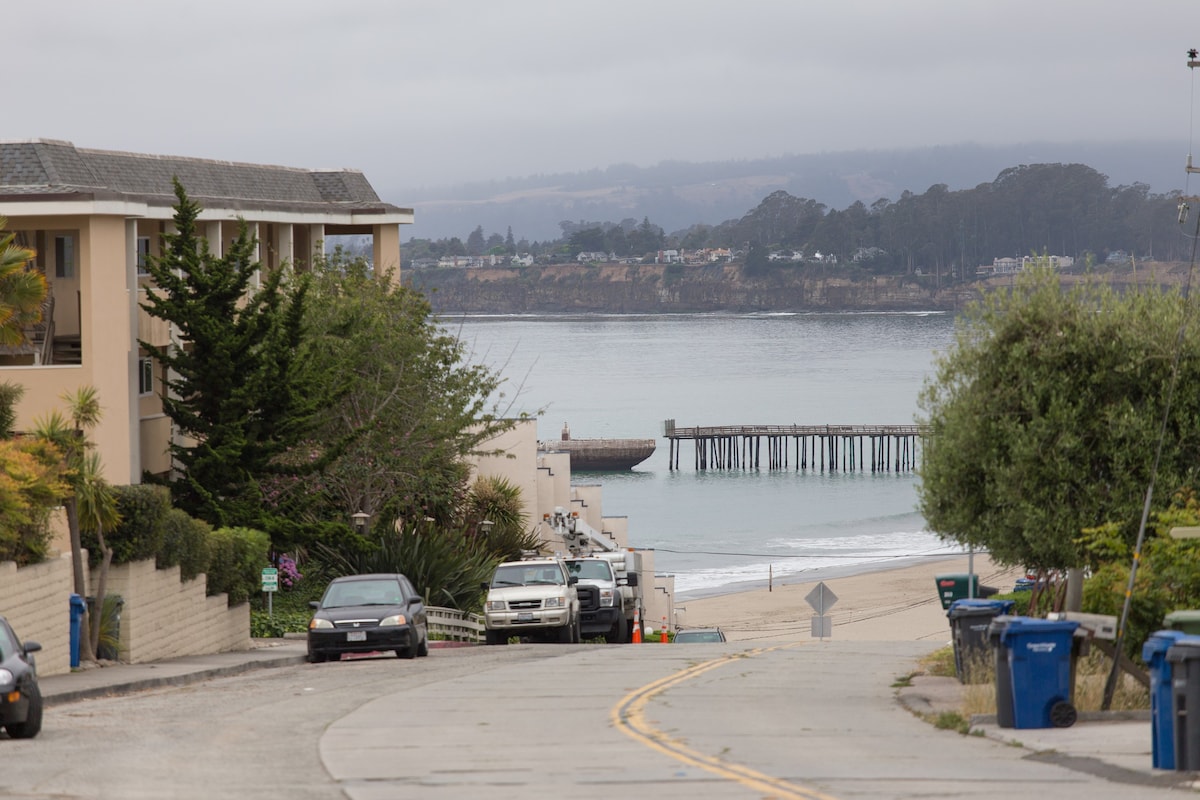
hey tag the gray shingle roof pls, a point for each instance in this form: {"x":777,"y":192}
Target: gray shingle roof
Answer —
{"x":47,"y":167}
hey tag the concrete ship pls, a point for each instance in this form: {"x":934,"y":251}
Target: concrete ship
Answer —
{"x":600,"y":455}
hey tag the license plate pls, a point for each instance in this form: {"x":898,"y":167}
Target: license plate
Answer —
{"x":356,"y":636}
{"x":525,"y":617}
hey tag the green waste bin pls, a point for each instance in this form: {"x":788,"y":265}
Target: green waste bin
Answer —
{"x":956,"y":587}
{"x":1187,"y":621}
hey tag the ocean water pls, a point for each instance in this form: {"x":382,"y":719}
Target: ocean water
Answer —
{"x":621,"y":376}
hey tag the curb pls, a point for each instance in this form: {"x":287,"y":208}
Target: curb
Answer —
{"x":183,"y":679}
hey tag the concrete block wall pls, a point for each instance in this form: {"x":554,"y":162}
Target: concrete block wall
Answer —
{"x":36,"y":600}
{"x":164,"y":617}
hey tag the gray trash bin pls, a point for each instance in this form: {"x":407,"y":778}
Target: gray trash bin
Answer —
{"x":1184,"y":658}
{"x":969,"y":622}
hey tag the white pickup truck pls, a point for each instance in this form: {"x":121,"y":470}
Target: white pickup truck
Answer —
{"x":535,"y":598}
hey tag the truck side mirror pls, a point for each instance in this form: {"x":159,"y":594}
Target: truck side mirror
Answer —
{"x":484,"y":586}
{"x":632,"y":579}
{"x":571,"y":581}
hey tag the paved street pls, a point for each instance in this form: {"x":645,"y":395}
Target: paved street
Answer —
{"x":812,"y":719}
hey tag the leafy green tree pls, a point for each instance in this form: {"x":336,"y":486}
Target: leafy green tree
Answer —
{"x":233,"y":391}
{"x":410,"y":408}
{"x":1167,"y":578}
{"x":1045,"y":413}
{"x":588,"y":240}
{"x":476,"y":242}
{"x":757,"y":263}
{"x":22,"y":291}
{"x":32,"y":481}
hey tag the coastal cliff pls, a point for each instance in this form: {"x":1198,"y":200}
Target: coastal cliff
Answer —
{"x":656,"y":288}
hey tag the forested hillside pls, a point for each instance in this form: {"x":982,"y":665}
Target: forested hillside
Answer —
{"x":1057,"y":209}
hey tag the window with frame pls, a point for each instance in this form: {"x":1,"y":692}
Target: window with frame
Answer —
{"x":64,"y":256}
{"x":145,"y":376}
{"x":143,"y":253}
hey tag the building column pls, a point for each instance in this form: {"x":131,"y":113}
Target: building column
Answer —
{"x":212,"y":232}
{"x":386,"y":251}
{"x":134,"y":373}
{"x":316,"y":238}
{"x":285,"y":244}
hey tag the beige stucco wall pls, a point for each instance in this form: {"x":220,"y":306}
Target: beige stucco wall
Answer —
{"x":36,"y":601}
{"x":516,"y":462}
{"x":107,"y":339}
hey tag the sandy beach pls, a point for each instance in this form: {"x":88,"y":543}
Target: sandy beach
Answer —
{"x":897,"y":604}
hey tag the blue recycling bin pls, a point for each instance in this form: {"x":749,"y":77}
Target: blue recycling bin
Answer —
{"x":1039,"y":661}
{"x":1162,"y":720}
{"x":969,"y":621}
{"x":77,"y":609}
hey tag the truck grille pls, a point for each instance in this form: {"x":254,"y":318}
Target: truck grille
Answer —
{"x":524,"y":605}
{"x":589,"y":598}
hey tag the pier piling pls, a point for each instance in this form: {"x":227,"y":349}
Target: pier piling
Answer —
{"x":820,"y":448}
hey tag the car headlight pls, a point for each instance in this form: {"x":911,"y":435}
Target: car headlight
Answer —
{"x":606,"y":598}
{"x":393,"y":620}
{"x":495,"y":605}
{"x":6,"y":677}
{"x":556,"y":602}
{"x":316,"y":623}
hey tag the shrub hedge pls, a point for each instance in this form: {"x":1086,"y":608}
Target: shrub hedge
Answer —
{"x":236,"y":561}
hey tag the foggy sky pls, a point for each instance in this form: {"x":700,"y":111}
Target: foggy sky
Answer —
{"x":436,"y":92}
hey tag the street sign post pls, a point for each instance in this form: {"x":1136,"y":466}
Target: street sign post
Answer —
{"x":821,"y":598}
{"x":270,"y":585}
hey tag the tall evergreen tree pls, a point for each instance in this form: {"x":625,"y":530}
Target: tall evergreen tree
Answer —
{"x":232,"y":386}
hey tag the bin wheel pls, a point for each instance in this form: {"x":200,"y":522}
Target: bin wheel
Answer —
{"x":1062,"y":714}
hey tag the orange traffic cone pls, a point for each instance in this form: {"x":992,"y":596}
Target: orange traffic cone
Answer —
{"x":637,"y":626}
{"x":664,"y":638}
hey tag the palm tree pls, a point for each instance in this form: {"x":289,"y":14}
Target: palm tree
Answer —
{"x":22,"y":291}
{"x":97,"y":511}
{"x":87,"y":489}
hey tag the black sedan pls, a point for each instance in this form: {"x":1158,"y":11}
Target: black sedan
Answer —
{"x":20,"y":700}
{"x":368,"y":614}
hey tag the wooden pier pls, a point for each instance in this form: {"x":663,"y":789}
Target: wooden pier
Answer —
{"x":821,"y":448}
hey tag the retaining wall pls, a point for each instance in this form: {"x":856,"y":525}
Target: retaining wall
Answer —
{"x":162,"y":616}
{"x":36,"y":601}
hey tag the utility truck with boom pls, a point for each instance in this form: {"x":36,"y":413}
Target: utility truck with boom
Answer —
{"x":610,"y":598}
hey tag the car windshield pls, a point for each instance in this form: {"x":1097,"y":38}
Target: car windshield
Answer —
{"x":7,"y":645}
{"x":381,"y":592}
{"x":591,"y":569}
{"x":527,"y":575}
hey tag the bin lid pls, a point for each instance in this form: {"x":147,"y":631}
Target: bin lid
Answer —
{"x":976,"y":607}
{"x":1032,"y":626}
{"x":1173,"y":619}
{"x":1159,"y":642}
{"x":1186,"y":649}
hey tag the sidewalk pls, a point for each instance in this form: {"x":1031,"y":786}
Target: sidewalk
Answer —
{"x":1115,"y":745}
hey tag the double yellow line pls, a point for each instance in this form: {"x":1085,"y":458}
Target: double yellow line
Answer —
{"x":628,"y":716}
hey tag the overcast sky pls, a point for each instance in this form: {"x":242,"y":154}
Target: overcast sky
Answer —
{"x":434,"y":92}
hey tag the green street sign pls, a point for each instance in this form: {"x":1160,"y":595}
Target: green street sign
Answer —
{"x":270,"y":579}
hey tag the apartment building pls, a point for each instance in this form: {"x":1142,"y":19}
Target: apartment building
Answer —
{"x":92,"y":217}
